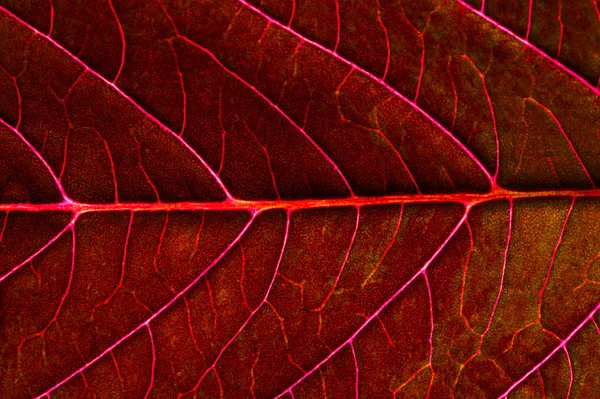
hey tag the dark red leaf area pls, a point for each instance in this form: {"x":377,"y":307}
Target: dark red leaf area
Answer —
{"x":111,"y":290}
{"x":568,"y":31}
{"x":85,"y":294}
{"x":582,"y":355}
{"x":491,"y":92}
{"x":23,"y":176}
{"x":258,"y":149}
{"x":479,"y":84}
{"x":98,"y":144}
{"x":285,"y":297}
{"x":17,"y":243}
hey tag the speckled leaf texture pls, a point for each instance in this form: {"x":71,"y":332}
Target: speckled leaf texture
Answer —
{"x":299,"y":199}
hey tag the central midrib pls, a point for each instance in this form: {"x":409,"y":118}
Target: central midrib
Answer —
{"x":467,"y":199}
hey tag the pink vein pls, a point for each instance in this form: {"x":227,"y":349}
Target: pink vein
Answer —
{"x":51,"y":17}
{"x":530,"y":11}
{"x":390,"y":245}
{"x":422,"y":68}
{"x":531,"y":46}
{"x":66,"y":199}
{"x":67,"y":289}
{"x":264,"y":300}
{"x":397,"y":152}
{"x":4,"y":225}
{"x":559,"y":347}
{"x":337,"y":279}
{"x":562,"y":131}
{"x":129,"y":99}
{"x":431,"y":321}
{"x":596,"y":325}
{"x":387,"y":42}
{"x":338,"y":20}
{"x":123,"y":262}
{"x":267,"y":159}
{"x":464,"y":276}
{"x":378,"y":80}
{"x":381,"y":308}
{"x":562,"y":29}
{"x":110,"y":160}
{"x":157,"y":313}
{"x":112,"y":8}
{"x":570,"y":373}
{"x":356,"y":369}
{"x":153,"y":361}
{"x":275,"y":107}
{"x":380,"y":132}
{"x":489,"y":100}
{"x":558,"y":242}
{"x":183,"y":93}
{"x":504,"y":261}
{"x":292,"y":13}
{"x":42,"y":249}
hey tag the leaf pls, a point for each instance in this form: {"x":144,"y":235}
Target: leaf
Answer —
{"x":296,"y":199}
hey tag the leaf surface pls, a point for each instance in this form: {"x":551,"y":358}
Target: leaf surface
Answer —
{"x":233,"y":199}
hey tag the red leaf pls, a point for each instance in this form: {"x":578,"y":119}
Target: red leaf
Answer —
{"x":299,"y":199}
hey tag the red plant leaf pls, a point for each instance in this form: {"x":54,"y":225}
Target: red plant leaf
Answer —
{"x":298,"y":199}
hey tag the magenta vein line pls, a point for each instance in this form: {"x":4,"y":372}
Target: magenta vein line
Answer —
{"x":338,"y":20}
{"x":123,"y":263}
{"x":562,"y":29}
{"x":292,"y":13}
{"x":560,"y":346}
{"x":529,"y":19}
{"x":570,"y":372}
{"x":123,"y":47}
{"x":491,"y":105}
{"x":356,"y":372}
{"x":128,"y":98}
{"x":3,"y":226}
{"x":553,"y":259}
{"x":397,"y":152}
{"x":69,"y":282}
{"x":153,"y":366}
{"x":387,"y":42}
{"x":381,"y":308}
{"x":350,"y":246}
{"x":554,"y":252}
{"x":531,"y":46}
{"x":376,"y":79}
{"x":66,"y":199}
{"x":110,"y":160}
{"x":504,"y":263}
{"x":422,"y":39}
{"x":387,"y":250}
{"x":470,"y":199}
{"x":431,"y":331}
{"x":42,"y":249}
{"x":566,"y":137}
{"x":249,"y":318}
{"x":156,"y":314}
{"x":184,"y":95}
{"x":51,"y":16}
